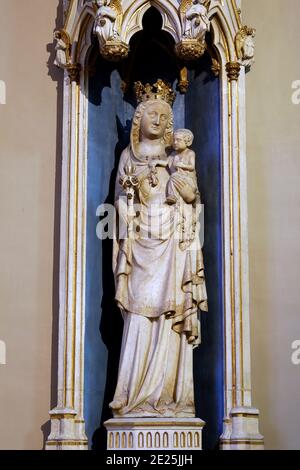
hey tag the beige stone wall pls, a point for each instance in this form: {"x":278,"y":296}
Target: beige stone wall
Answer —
{"x":27,"y":198}
{"x":27,"y":205}
{"x":273,"y":125}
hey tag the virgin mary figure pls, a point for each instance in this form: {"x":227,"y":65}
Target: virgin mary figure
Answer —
{"x":160,"y":285}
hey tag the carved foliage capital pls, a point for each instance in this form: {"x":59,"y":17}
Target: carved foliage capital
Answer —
{"x":74,"y":72}
{"x":190,"y":49}
{"x":114,"y":50}
{"x":233,"y":70}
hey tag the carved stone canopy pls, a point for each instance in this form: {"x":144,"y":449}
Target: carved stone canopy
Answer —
{"x":114,"y":22}
{"x":188,"y":24}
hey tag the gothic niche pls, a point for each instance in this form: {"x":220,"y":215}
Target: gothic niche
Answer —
{"x":186,"y":62}
{"x":112,"y":103}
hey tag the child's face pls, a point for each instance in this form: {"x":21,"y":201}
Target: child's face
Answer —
{"x":179,"y":143}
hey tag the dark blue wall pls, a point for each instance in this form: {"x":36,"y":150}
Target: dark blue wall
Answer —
{"x":107,"y":136}
{"x":202,"y":116}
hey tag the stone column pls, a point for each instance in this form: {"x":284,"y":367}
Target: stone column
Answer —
{"x":67,"y":423}
{"x":241,"y":419}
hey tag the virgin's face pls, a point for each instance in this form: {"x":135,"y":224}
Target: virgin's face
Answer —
{"x":155,"y":120}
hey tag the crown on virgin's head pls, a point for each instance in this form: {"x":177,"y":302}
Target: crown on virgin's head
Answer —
{"x":158,"y":91}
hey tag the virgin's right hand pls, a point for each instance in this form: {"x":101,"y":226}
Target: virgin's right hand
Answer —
{"x":185,"y":190}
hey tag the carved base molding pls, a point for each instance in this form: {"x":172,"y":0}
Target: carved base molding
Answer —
{"x":242,"y":432}
{"x":67,"y":432}
{"x":154,"y":433}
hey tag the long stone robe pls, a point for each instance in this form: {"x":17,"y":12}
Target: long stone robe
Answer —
{"x":160,"y":288}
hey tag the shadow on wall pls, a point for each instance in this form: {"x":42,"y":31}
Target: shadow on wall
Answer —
{"x":56,"y":75}
{"x":111,"y":324}
{"x":108,"y":135}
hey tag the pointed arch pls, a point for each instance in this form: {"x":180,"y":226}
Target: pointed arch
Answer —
{"x":133,"y":17}
{"x":224,"y":31}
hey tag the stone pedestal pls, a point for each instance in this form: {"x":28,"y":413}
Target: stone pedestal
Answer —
{"x":154,"y":433}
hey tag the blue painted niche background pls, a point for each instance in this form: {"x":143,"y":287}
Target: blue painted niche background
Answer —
{"x":108,"y":133}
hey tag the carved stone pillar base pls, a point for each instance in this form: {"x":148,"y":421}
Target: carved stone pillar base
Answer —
{"x":67,"y":432}
{"x":154,"y":433}
{"x":244,"y":433}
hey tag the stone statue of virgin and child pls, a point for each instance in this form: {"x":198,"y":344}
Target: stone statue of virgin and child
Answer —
{"x":158,"y":267}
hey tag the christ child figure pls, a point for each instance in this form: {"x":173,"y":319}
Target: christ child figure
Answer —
{"x":181,"y":162}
